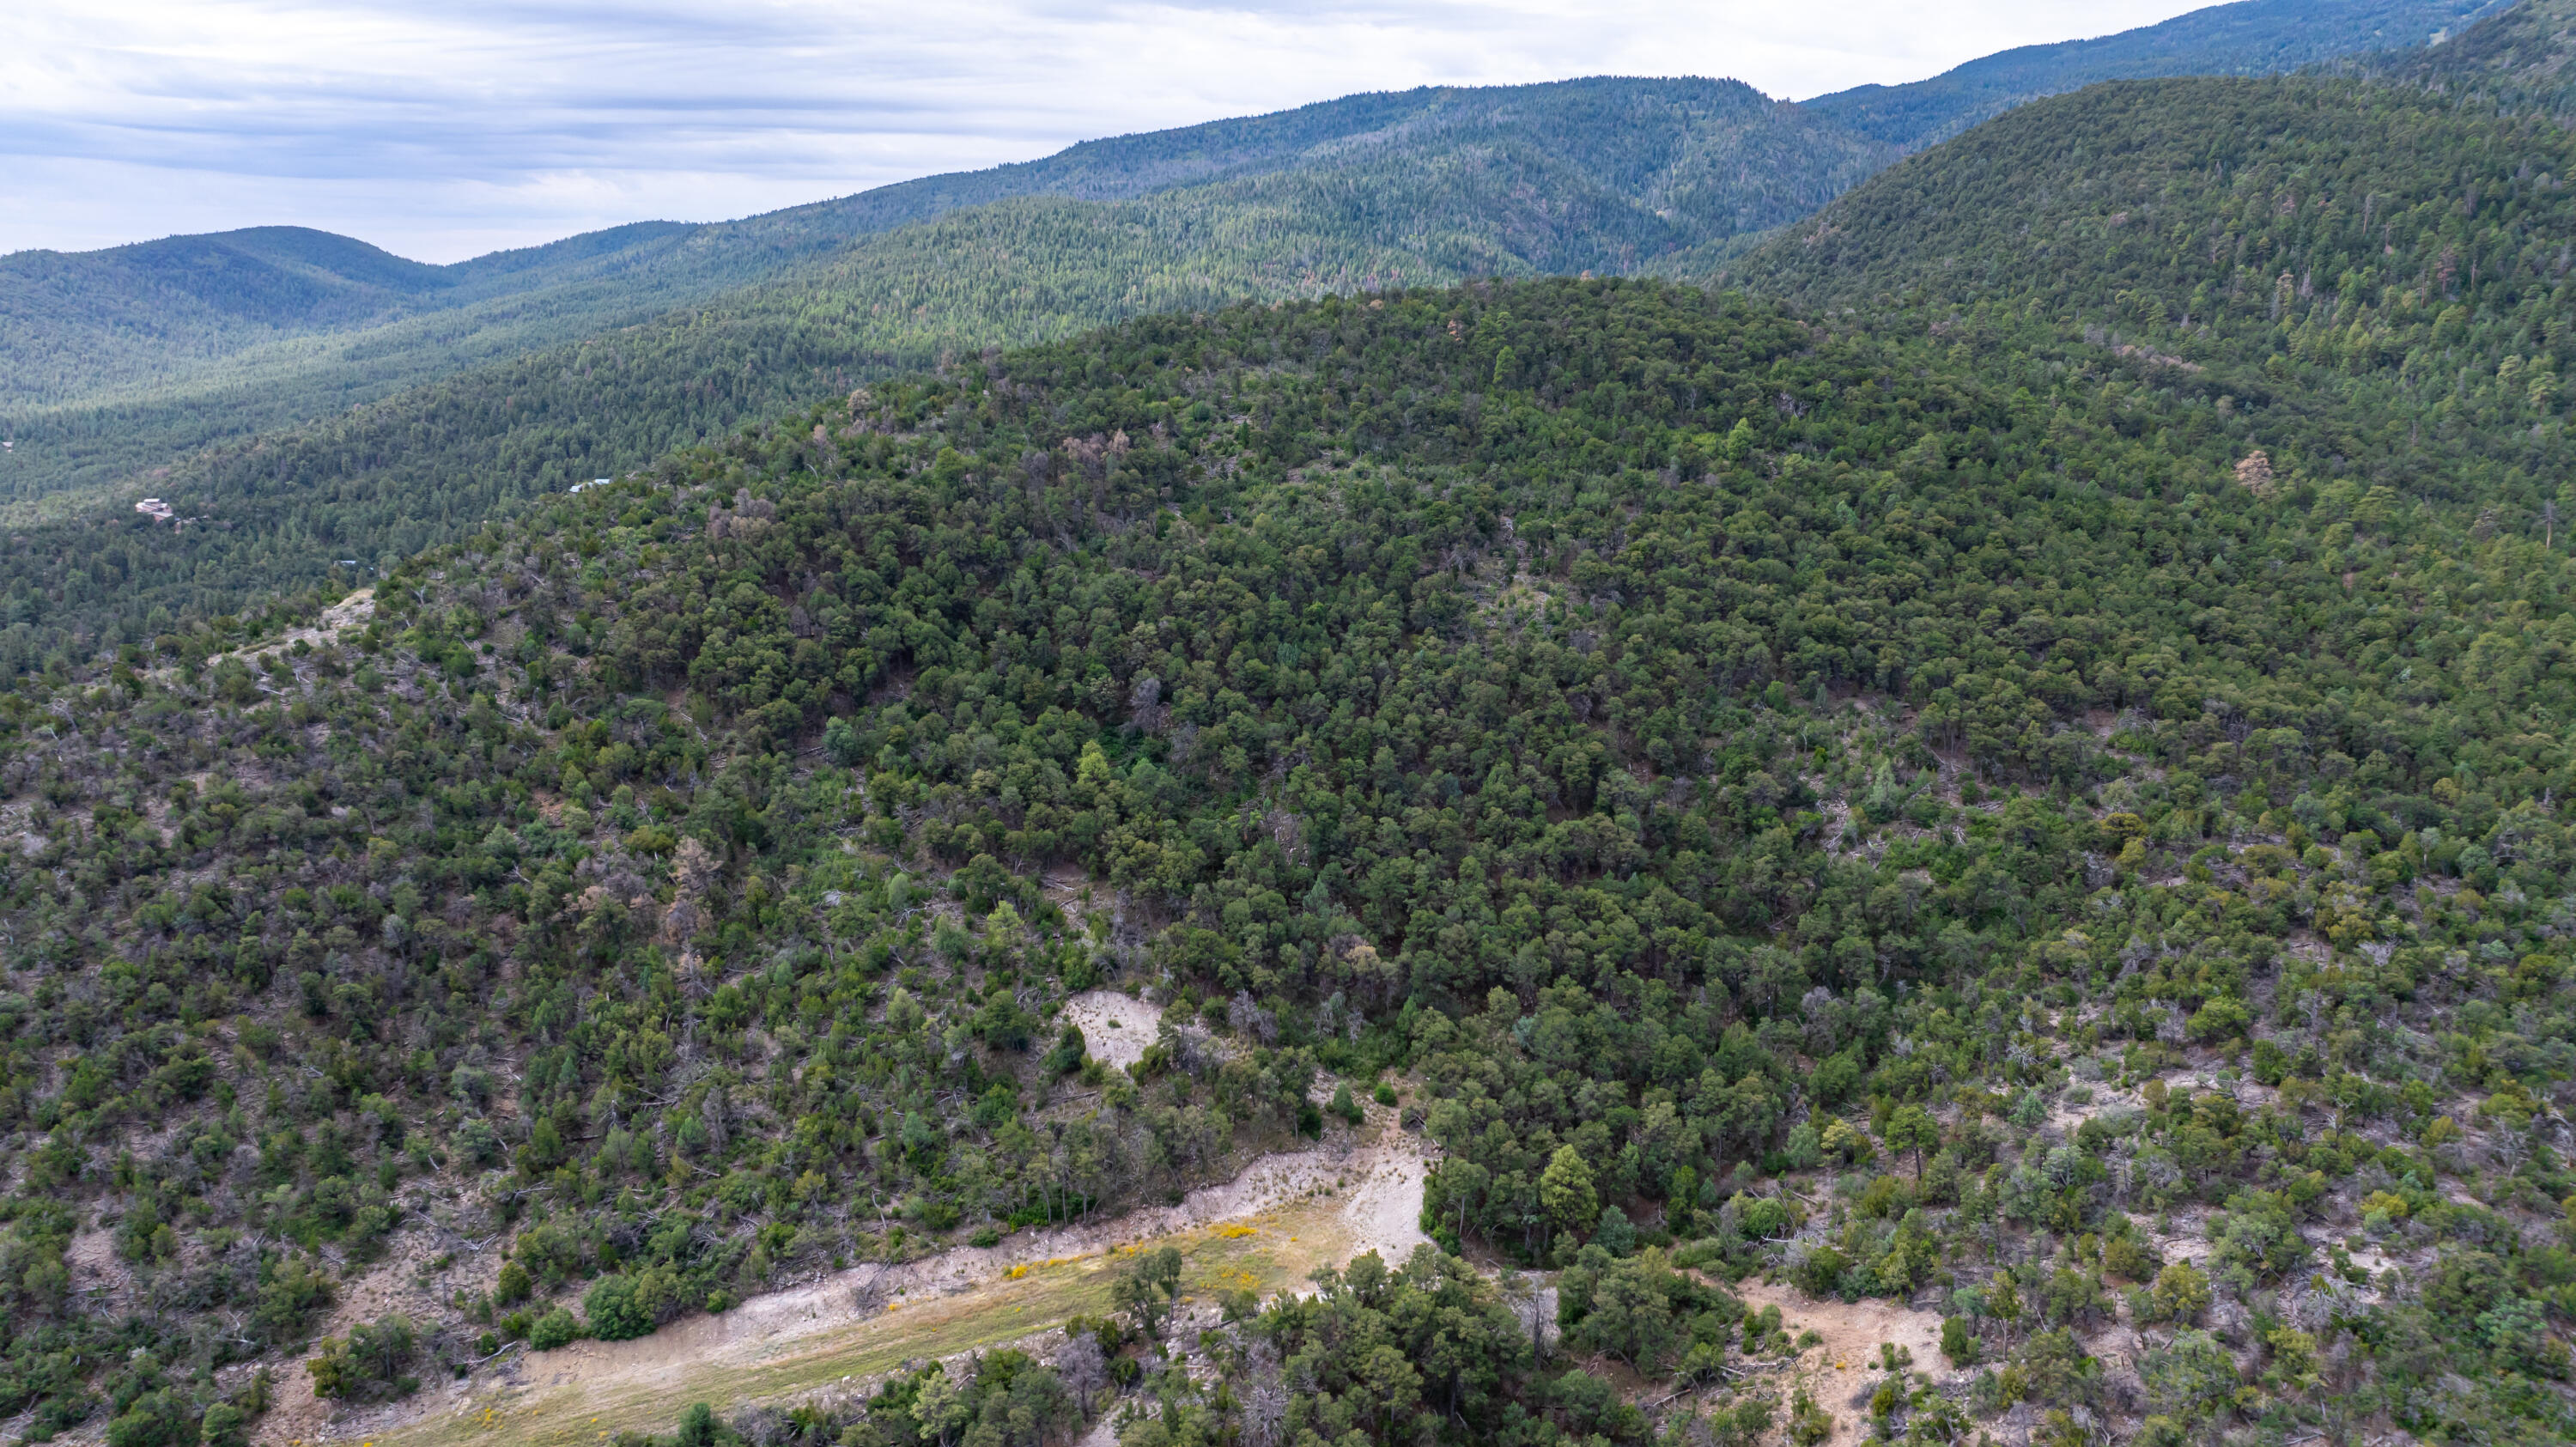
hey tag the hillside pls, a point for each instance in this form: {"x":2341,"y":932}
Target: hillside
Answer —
{"x":2261,"y":243}
{"x":2248,"y":38}
{"x":238,"y":312}
{"x":2515,"y":59}
{"x":125,"y":359}
{"x":1713,"y":758}
{"x":303,"y":323}
{"x":535,"y":371}
{"x":1586,"y":175}
{"x":82,"y":325}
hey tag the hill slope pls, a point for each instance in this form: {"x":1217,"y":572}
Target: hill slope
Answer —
{"x":1456,"y":683}
{"x":121,"y":358}
{"x":82,"y":325}
{"x":2252,"y":37}
{"x":2400,"y":254}
{"x":1666,"y":176}
{"x":2516,"y":59}
{"x":1584,"y":175}
{"x":96,"y":325}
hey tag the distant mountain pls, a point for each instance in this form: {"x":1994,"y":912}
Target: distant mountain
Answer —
{"x":77,"y":324}
{"x":318,"y":401}
{"x":1432,"y":186}
{"x":2256,"y":37}
{"x":124,"y":359}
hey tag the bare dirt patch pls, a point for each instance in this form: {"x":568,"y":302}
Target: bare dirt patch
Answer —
{"x":94,"y":1267}
{"x":1116,"y":1028}
{"x":1847,"y":1363}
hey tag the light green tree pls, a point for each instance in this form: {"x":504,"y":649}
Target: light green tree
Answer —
{"x":1565,"y":1190}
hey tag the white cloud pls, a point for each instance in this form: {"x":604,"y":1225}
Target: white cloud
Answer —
{"x":442,"y":130}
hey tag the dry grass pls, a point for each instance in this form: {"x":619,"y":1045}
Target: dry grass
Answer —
{"x":795,"y":1345}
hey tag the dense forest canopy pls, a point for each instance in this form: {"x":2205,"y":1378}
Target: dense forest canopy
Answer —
{"x":2013,"y":759}
{"x":2515,"y":59}
{"x":1679,"y":736}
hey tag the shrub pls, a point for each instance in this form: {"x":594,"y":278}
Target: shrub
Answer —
{"x":557,"y":1328}
{"x":369,"y":1364}
{"x":1821,"y":1274}
{"x":1958,"y":1341}
{"x":288,"y":1299}
{"x":1615,"y":1234}
{"x":615,"y":1309}
{"x":2181,"y":1293}
{"x":2128,"y":1258}
{"x":513,"y":1286}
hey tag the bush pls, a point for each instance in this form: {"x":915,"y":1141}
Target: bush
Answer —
{"x":1809,"y":1424}
{"x":1344,"y":1106}
{"x":2128,"y":1258}
{"x":617,"y":1309}
{"x":158,"y":1418}
{"x":226,"y":1425}
{"x":2189,"y":1379}
{"x":2181,"y":1293}
{"x":1068,"y":1054}
{"x":291,"y":1294}
{"x":478,"y":1142}
{"x":513,"y":1286}
{"x":1958,"y":1341}
{"x":369,"y":1364}
{"x":1821,"y":1274}
{"x":557,"y":1328}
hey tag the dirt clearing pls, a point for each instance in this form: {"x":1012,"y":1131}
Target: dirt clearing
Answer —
{"x":1116,"y":1028}
{"x":1842,"y":1371}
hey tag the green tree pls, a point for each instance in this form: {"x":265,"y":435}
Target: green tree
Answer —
{"x":1565,"y":1191}
{"x":1912,"y":1128}
{"x":1148,"y":1288}
{"x":2180,"y":1293}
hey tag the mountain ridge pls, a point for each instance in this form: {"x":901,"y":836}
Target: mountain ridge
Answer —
{"x":2251,"y":37}
{"x":134,"y":401}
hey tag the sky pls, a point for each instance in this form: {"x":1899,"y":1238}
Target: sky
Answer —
{"x":445,"y":130}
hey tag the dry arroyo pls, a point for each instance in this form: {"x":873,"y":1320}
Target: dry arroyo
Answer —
{"x":1266,"y":1230}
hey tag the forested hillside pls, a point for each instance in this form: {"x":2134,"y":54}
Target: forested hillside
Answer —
{"x":125,"y":359}
{"x":2005,"y":760}
{"x":117,"y":325}
{"x":516,"y":375}
{"x":79,"y":325}
{"x":2259,"y":244}
{"x":1583,"y":176}
{"x":2253,"y":37}
{"x":1717,"y":758}
{"x":2515,"y":59}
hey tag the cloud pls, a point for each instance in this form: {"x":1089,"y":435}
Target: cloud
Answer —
{"x":443,"y":129}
